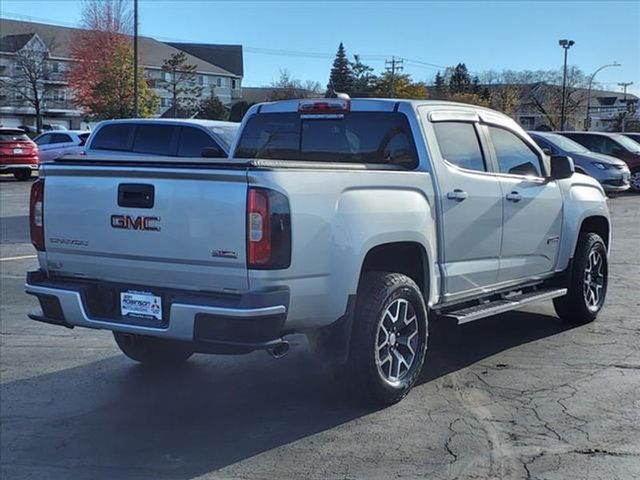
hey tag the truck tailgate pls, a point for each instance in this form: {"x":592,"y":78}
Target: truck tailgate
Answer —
{"x":168,"y":226}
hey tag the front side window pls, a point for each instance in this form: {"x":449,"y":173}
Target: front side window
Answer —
{"x":353,"y":137}
{"x":459,"y":145}
{"x":513,"y":154}
{"x":193,"y":141}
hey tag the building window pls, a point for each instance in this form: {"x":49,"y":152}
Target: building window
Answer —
{"x":201,"y":79}
{"x":528,"y":123}
{"x":55,"y":67}
{"x":234,"y":83}
{"x":218,"y":82}
{"x":165,"y":102}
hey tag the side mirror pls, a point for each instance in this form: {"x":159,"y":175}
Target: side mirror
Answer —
{"x":547,"y":151}
{"x":213,"y":152}
{"x":617,"y":151}
{"x":561,"y":167}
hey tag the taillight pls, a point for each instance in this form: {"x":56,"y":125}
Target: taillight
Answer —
{"x":36,"y":214}
{"x":268,"y":229}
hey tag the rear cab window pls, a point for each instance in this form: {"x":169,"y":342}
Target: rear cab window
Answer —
{"x":155,"y":139}
{"x":349,"y":137}
{"x":113,"y":137}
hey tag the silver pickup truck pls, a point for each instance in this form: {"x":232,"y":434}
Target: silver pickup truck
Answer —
{"x":352,"y":221}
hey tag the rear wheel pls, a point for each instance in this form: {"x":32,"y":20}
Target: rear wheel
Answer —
{"x":587,"y":286}
{"x":22,"y":175}
{"x":152,"y":350}
{"x":389,"y":337}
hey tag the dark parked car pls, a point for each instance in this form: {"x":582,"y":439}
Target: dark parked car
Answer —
{"x":161,"y":137}
{"x":18,"y":153}
{"x":614,"y":144}
{"x":613,"y":174}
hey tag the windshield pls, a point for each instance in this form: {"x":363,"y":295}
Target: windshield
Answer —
{"x":13,"y":136}
{"x":627,"y":143}
{"x":563,"y":143}
{"x":226,"y":133}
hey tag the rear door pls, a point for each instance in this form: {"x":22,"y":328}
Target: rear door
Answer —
{"x":147,"y":226}
{"x":532,"y":207}
{"x":471,"y":205}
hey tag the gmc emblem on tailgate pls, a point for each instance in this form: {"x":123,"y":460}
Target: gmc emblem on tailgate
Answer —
{"x":127,"y":222}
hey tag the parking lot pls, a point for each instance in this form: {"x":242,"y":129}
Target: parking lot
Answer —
{"x":520,"y":395}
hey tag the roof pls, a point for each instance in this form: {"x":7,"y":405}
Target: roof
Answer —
{"x":228,"y":57}
{"x":13,"y":43}
{"x":59,"y":40}
{"x":188,"y":121}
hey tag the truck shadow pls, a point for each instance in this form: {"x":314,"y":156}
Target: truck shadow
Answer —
{"x":84,"y":422}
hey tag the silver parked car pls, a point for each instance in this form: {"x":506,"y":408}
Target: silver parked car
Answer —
{"x":56,"y":144}
{"x":612,"y":173}
{"x":162,"y":137}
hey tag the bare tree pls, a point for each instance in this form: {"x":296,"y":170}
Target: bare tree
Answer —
{"x":287,"y":87}
{"x":29,"y":82}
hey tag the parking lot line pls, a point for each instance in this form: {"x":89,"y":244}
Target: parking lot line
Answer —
{"x":21,"y":257}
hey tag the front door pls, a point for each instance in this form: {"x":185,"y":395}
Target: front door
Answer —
{"x":532,"y":208}
{"x":471,"y":205}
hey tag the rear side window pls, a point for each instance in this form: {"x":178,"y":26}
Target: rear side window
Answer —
{"x":113,"y":137}
{"x":60,"y":138}
{"x":514,"y":155}
{"x":354,"y":137}
{"x":154,"y":139}
{"x":459,"y":145}
{"x":193,"y":141}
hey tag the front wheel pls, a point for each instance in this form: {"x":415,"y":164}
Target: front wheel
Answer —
{"x":389,"y":338}
{"x":587,"y":286}
{"x":152,"y":350}
{"x":634,"y":180}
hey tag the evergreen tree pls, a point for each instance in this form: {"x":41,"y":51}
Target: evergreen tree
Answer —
{"x":212,"y":109}
{"x":182,"y":84}
{"x":440,"y":86}
{"x":363,"y":78}
{"x":460,"y":81}
{"x":341,"y":78}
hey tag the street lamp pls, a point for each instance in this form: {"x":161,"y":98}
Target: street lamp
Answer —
{"x":566,"y":44}
{"x":587,"y":119}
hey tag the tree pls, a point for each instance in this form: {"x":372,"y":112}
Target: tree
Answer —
{"x":403,"y":85}
{"x":468,"y":97}
{"x":181,"y":81}
{"x":238,"y":110}
{"x":341,"y":77}
{"x":29,"y":83}
{"x":212,"y":109}
{"x":460,"y":80}
{"x":101,"y":52}
{"x":363,"y":78}
{"x":113,"y":92}
{"x":287,"y":88}
{"x":440,"y":86}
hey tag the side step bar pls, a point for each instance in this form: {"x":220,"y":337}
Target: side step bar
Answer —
{"x":488,"y":309}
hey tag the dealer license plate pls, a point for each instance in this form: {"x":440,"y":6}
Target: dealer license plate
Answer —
{"x":140,"y":304}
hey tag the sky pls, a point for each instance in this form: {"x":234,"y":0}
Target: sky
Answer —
{"x":302,"y":36}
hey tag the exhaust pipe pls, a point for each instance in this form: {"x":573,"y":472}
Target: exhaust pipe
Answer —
{"x":280,"y":350}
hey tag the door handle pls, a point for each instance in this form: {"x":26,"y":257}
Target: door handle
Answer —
{"x":458,"y":195}
{"x":514,"y":196}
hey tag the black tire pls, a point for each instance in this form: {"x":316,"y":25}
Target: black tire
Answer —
{"x":578,"y":306}
{"x":152,"y":350}
{"x":635,"y":180}
{"x":377,"y":292}
{"x":22,"y":175}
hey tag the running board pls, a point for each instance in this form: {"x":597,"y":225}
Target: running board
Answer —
{"x":488,"y":309}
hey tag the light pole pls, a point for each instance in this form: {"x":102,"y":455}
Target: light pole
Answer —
{"x":566,"y":44}
{"x":587,"y":119}
{"x":136,"y":113}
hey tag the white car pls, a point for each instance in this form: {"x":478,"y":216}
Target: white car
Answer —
{"x":56,"y":144}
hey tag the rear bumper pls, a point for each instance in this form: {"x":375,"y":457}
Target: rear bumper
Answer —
{"x":11,"y":167}
{"x":213,"y":323}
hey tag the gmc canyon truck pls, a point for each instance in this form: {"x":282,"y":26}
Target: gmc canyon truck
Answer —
{"x":351,"y":221}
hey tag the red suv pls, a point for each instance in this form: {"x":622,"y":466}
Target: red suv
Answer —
{"x":18,"y":154}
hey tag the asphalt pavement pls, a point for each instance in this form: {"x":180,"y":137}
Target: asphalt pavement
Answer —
{"x":517,"y":396}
